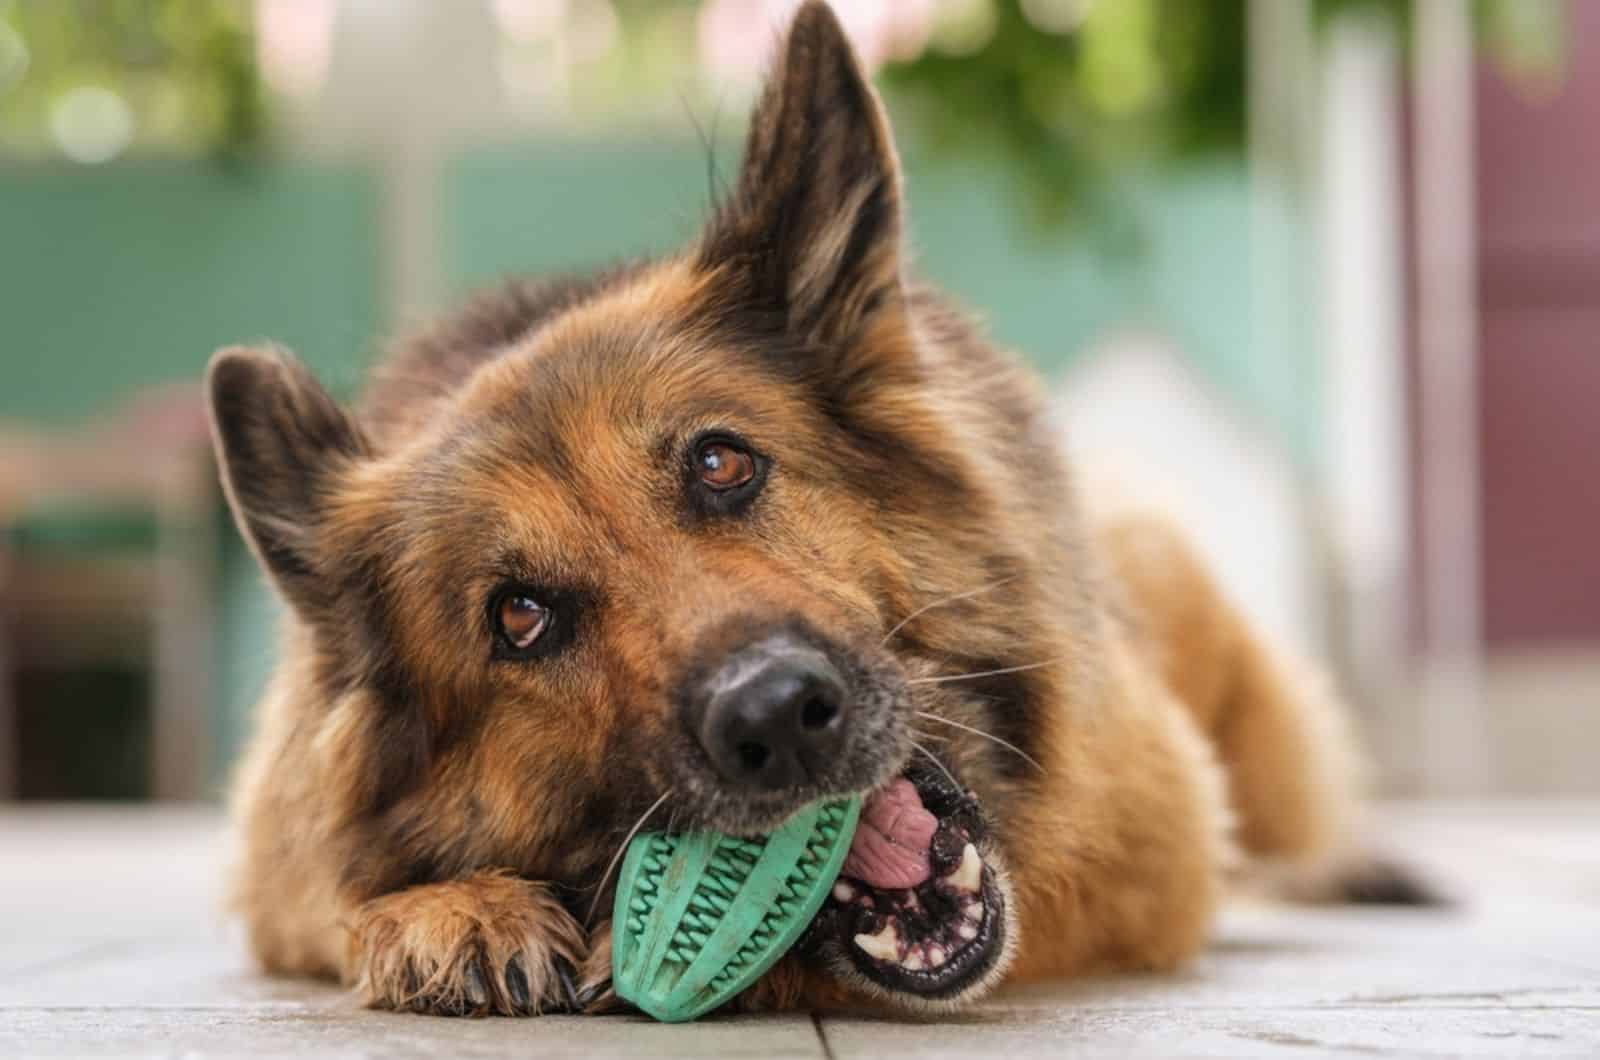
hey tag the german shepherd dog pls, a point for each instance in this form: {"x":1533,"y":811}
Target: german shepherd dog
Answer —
{"x":698,"y":541}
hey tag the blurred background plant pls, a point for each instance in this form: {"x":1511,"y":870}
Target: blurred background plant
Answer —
{"x":89,"y":80}
{"x":1072,"y":92}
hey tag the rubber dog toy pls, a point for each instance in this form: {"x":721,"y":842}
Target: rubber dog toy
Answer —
{"x":700,"y":916}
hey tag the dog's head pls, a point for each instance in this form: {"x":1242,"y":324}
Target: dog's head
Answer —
{"x":654,"y":545}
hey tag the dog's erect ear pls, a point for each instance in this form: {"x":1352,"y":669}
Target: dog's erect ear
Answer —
{"x":812,"y":228}
{"x":279,"y":439}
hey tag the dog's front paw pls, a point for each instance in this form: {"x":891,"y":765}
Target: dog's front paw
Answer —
{"x":491,"y":944}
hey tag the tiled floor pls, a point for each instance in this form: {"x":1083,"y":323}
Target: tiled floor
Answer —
{"x":110,"y":944}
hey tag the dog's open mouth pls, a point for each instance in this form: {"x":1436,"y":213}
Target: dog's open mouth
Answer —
{"x":917,"y":909}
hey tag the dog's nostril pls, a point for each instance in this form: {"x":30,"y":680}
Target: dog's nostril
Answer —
{"x":817,"y":713}
{"x":753,"y":756}
{"x":772,"y":715}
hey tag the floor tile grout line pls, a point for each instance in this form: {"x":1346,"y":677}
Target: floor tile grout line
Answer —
{"x":822,"y":1036}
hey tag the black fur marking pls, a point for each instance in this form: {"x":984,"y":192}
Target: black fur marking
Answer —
{"x":362,"y":653}
{"x":894,"y":472}
{"x":599,"y":814}
{"x":873,"y":223}
{"x":1012,"y":711}
{"x":402,"y":749}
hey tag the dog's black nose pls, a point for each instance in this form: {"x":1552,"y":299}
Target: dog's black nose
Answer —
{"x":772,"y":714}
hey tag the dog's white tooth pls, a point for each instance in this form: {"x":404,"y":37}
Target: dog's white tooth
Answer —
{"x":843,"y":891}
{"x":968,"y":876}
{"x":913,"y":962}
{"x":968,"y":931}
{"x":936,"y":956}
{"x":885,"y":945}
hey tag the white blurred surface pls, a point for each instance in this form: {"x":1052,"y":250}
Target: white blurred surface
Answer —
{"x":1146,"y":430}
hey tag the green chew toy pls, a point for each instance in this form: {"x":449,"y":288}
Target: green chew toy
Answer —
{"x":700,"y":916}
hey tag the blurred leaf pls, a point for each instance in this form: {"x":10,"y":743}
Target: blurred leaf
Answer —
{"x":1526,"y":39}
{"x":184,"y":70}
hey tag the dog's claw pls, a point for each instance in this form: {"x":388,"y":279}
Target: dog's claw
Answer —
{"x":589,"y":994}
{"x":517,"y":984}
{"x":414,"y":999}
{"x":566,"y":974}
{"x":473,"y":987}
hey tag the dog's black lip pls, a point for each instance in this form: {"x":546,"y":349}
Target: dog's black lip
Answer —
{"x":945,"y":796}
{"x":964,"y":967}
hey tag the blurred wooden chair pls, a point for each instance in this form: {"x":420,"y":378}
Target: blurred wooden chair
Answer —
{"x":108,"y":554}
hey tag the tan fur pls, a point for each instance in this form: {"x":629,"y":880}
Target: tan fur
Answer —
{"x":418,"y":948}
{"x":1282,"y":736}
{"x":417,"y":814}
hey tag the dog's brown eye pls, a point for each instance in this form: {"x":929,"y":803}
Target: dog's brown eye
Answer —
{"x":724,"y":466}
{"x":522,"y":620}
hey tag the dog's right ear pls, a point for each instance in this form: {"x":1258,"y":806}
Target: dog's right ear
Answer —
{"x":812,"y":230}
{"x":279,"y":439}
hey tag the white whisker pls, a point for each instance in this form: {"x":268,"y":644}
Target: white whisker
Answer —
{"x":898,"y":626}
{"x":600,"y":888}
{"x":982,"y":673}
{"x":1013,"y":748}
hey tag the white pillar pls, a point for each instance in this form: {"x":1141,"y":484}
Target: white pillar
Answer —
{"x":408,"y":80}
{"x":1453,"y":755}
{"x":1366,"y":458}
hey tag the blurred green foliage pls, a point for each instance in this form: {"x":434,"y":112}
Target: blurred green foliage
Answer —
{"x":88,"y":77}
{"x":1071,"y":93}
{"x":643,"y":74}
{"x":1068,"y":94}
{"x":1130,"y":79}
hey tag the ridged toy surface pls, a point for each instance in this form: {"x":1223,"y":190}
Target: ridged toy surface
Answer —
{"x":700,"y":916}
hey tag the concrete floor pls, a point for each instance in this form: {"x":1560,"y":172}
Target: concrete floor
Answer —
{"x":111,"y":945}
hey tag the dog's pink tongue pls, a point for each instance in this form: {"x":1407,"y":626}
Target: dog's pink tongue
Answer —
{"x":890,"y":848}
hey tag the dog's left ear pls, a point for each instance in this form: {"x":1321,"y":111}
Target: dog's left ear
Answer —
{"x":812,"y":228}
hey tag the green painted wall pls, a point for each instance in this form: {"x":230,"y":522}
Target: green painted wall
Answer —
{"x":565,"y":204}
{"x":115,"y":277}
